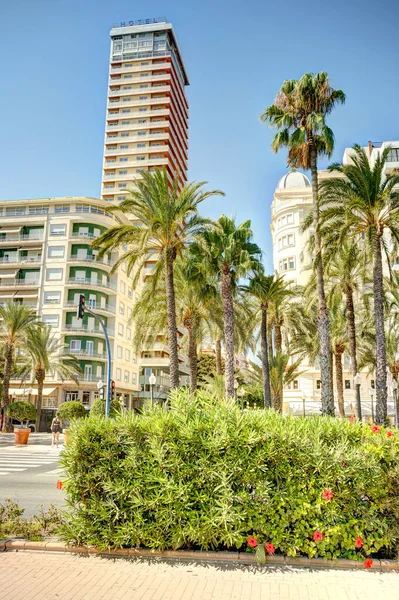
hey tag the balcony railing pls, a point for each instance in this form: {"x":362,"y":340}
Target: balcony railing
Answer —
{"x":85,"y":329}
{"x":92,"y":259}
{"x":85,"y":236}
{"x":19,"y":283}
{"x":21,"y":238}
{"x":86,"y":354}
{"x":80,"y":281}
{"x":22,"y":259}
{"x":94,"y":307}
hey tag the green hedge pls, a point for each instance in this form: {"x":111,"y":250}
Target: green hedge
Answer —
{"x":209,"y":475}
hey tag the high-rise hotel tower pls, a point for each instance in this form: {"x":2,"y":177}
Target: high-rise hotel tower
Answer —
{"x":147,"y":110}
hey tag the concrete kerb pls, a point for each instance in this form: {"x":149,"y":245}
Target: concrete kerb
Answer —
{"x":197,"y":555}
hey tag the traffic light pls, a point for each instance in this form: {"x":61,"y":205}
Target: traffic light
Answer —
{"x":112,"y":390}
{"x":81,"y":307}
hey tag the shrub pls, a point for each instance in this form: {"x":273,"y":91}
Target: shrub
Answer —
{"x":12,"y":523}
{"x":207,"y":475}
{"x":71,"y":410}
{"x":98,"y":408}
{"x":22,"y":411}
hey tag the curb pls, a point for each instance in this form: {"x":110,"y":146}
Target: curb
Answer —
{"x":243,"y":558}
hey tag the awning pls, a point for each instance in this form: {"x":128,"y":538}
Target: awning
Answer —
{"x":8,"y":274}
{"x":19,"y":391}
{"x":11,"y":229}
{"x":46,"y":392}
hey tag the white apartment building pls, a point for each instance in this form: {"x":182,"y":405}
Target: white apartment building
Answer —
{"x":46,"y":262}
{"x":291,"y":204}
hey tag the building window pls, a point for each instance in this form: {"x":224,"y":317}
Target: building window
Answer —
{"x":71,"y":396}
{"x":120,"y":329}
{"x":347,"y":384}
{"x":129,"y":313}
{"x":122,"y":172}
{"x":287,"y":264}
{"x":128,"y":333}
{"x":119,"y":351}
{"x":123,"y":287}
{"x":123,"y":159}
{"x":57,"y":229}
{"x":86,"y":398}
{"x":393,"y":155}
{"x":318,"y":384}
{"x":126,"y":378}
{"x":54,"y":274}
{"x":140,"y":157}
{"x":295,"y":384}
{"x":121,"y":308}
{"x":124,"y":134}
{"x":122,"y":185}
{"x":286,"y":240}
{"x":126,"y":110}
{"x":134,"y":378}
{"x":372,"y":384}
{"x":50,"y":320}
{"x":56,"y":251}
{"x":118,"y":374}
{"x":127,"y":354}
{"x":130,"y":292}
{"x":52,"y":297}
{"x":62,"y":208}
{"x":75,"y":345}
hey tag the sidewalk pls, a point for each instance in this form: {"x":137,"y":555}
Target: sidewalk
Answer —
{"x":51,"y":576}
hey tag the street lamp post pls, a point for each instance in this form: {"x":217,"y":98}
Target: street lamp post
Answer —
{"x":372,"y":404}
{"x":152,"y":381}
{"x":236,"y":384}
{"x":358,"y":400}
{"x":395,"y":400}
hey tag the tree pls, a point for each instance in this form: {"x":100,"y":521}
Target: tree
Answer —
{"x":16,"y":320}
{"x":165,"y":221}
{"x":364,"y":204}
{"x":45,"y":354}
{"x":228,"y":250}
{"x":266,"y":289}
{"x":339,"y":341}
{"x":299,"y":112}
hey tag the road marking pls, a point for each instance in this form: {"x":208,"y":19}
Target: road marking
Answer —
{"x":50,"y":473}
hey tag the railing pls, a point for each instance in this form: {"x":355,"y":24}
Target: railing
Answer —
{"x":87,"y":236}
{"x":85,"y":329}
{"x":96,"y":306}
{"x":92,"y":259}
{"x":107,"y":285}
{"x":86,"y":354}
{"x":21,"y":238}
{"x":19,"y":283}
{"x":22,"y":259}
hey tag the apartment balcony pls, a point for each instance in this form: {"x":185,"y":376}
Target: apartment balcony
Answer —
{"x":137,"y":103}
{"x":85,"y":330}
{"x":20,"y":260}
{"x":19,"y":283}
{"x":138,"y":79}
{"x":164,"y":363}
{"x":135,"y":68}
{"x":91,"y":259}
{"x":83,"y":236}
{"x":161,"y":124}
{"x":133,"y":164}
{"x":87,"y":355}
{"x":89,"y":282}
{"x":147,"y":138}
{"x":161,"y":89}
{"x":26,"y":239}
{"x":107,"y":308}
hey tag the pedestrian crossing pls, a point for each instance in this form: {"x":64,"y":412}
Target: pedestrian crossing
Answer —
{"x":17,"y":461}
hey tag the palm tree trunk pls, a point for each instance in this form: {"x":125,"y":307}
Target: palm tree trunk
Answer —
{"x":40,"y":375}
{"x":228,"y":318}
{"x":381,"y":358}
{"x":267,"y":400}
{"x":327,"y":400}
{"x":278,"y":338}
{"x":218,"y":352}
{"x":350,"y":319}
{"x":339,"y":380}
{"x":172,"y":329}
{"x":6,"y":387}
{"x":192,"y":356}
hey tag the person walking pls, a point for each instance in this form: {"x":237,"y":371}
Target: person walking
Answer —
{"x":56,"y":428}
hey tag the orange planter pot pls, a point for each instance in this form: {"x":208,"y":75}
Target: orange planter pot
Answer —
{"x":21,"y":435}
{"x":67,"y":438}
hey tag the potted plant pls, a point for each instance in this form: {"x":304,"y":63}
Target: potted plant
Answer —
{"x":22,"y":412}
{"x":69,"y":411}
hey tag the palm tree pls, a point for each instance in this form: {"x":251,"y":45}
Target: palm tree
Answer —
{"x":16,"y":320}
{"x":363,"y":204}
{"x":228,"y":251}
{"x":339,"y":340}
{"x":282,"y":373}
{"x":266,"y":289}
{"x":166,"y":221}
{"x":45,"y":354}
{"x":299,"y":112}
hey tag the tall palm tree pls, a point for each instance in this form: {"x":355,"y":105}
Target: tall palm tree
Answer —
{"x":299,"y":112}
{"x":266,"y":289}
{"x":16,"y":320}
{"x":228,"y":250}
{"x":364,"y":204}
{"x":45,"y":354}
{"x":167,"y":220}
{"x":339,"y":342}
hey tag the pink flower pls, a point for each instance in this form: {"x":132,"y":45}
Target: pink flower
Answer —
{"x":375,"y":429}
{"x":58,"y":485}
{"x":317,"y":536}
{"x":253,"y":542}
{"x":368,"y":563}
{"x":328,"y":495}
{"x":269,"y":548}
{"x":359,"y":542}
{"x":351,"y":418}
{"x":390,"y":433}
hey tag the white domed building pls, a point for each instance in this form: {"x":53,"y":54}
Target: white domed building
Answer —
{"x":291,"y":204}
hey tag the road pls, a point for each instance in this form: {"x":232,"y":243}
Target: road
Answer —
{"x":28,"y":474}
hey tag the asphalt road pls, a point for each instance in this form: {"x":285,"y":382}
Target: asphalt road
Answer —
{"x":28,"y":474}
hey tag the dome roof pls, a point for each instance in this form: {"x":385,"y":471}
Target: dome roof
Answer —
{"x":293,"y":179}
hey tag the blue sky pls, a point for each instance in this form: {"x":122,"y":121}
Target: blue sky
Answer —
{"x":54,"y":70}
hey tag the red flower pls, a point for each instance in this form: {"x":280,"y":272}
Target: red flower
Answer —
{"x":269,"y":548}
{"x":328,"y":495}
{"x":359,"y":542}
{"x":368,"y":563}
{"x":317,"y":536}
{"x":58,"y":485}
{"x":253,"y":542}
{"x":390,"y":433}
{"x":351,"y":418}
{"x":375,"y":429}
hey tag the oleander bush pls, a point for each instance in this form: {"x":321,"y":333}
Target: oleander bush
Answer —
{"x":98,"y":407}
{"x":206,"y":474}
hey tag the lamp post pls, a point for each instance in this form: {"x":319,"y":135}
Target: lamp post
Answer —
{"x":152,"y":381}
{"x":395,"y":401}
{"x":371,"y":390}
{"x":358,"y":401}
{"x":303,"y":405}
{"x":100,"y":389}
{"x":236,"y":384}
